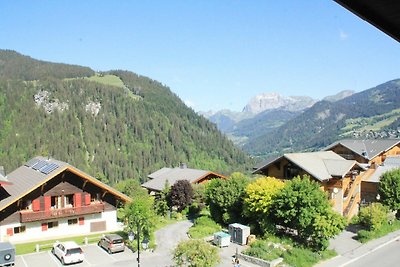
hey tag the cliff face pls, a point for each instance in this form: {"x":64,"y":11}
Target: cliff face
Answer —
{"x":268,"y":101}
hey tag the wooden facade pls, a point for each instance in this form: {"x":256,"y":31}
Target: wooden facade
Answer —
{"x":343,"y":192}
{"x":347,"y":153}
{"x":68,"y":198}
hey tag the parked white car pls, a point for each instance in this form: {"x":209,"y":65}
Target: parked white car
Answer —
{"x":68,"y":252}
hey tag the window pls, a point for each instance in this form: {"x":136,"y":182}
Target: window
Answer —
{"x":28,"y":204}
{"x":19,"y":229}
{"x":69,"y":201}
{"x":95,"y":197}
{"x":56,"y":202}
{"x":72,"y":221}
{"x":291,"y":171}
{"x":52,"y":224}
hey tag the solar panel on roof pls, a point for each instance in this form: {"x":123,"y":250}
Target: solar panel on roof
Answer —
{"x":31,"y":162}
{"x":49,"y":168}
{"x":39,"y":165}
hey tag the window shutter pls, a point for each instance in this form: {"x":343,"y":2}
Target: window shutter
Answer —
{"x":10,"y":231}
{"x":87,"y":199}
{"x":44,"y":226}
{"x":81,"y":220}
{"x":36,"y":205}
{"x":47,"y":203}
{"x":78,"y":200}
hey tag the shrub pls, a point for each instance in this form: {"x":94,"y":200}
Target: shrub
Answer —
{"x":302,"y":257}
{"x":196,"y":253}
{"x":373,"y":216}
{"x":264,"y":250}
{"x":204,"y":226}
{"x":364,"y":235}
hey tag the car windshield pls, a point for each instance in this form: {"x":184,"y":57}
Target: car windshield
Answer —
{"x":74,"y":251}
{"x":117,"y":241}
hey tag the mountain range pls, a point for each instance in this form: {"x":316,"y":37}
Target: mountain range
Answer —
{"x":262,"y":114}
{"x":373,"y":113}
{"x":113,"y":125}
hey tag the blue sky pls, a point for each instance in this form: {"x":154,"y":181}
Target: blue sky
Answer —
{"x":212,"y":54}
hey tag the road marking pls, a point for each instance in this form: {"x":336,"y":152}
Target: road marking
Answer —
{"x":370,"y":251}
{"x":55,"y":258}
{"x":109,"y":254}
{"x":23,"y":260}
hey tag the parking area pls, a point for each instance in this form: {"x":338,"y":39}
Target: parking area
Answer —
{"x":94,"y":256}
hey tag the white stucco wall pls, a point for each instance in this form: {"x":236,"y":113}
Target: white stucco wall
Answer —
{"x":34,"y":231}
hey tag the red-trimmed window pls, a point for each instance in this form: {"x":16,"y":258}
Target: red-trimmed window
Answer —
{"x":44,"y":226}
{"x":36,"y":205}
{"x":81,"y":220}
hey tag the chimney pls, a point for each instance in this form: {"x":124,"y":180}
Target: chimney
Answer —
{"x":2,"y":171}
{"x":183,"y":166}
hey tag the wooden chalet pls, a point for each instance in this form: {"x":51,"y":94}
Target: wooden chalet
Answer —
{"x":47,"y":198}
{"x":372,"y":152}
{"x":376,"y":155}
{"x":169,"y":176}
{"x":339,"y":177}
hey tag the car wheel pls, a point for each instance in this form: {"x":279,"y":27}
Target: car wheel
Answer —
{"x":62,"y":261}
{"x":109,"y":251}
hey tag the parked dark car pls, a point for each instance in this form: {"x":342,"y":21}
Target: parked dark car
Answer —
{"x":112,"y":243}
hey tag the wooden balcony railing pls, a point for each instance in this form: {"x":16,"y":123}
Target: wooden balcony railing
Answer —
{"x":32,"y":216}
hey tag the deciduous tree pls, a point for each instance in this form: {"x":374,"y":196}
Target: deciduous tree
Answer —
{"x":181,"y":194}
{"x":303,"y":207}
{"x":225,"y":197}
{"x":389,"y":190}
{"x":196,"y":253}
{"x":260,"y":194}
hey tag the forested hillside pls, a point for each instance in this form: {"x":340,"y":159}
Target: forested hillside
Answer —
{"x":373,"y":113}
{"x":114,"y":125}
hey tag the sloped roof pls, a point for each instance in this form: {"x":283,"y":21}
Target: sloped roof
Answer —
{"x":369,"y":148}
{"x":159,"y":173}
{"x":25,"y":179}
{"x":322,"y":165}
{"x":172,"y":175}
{"x":391,"y":163}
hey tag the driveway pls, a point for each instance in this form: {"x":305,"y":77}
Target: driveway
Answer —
{"x":167,"y":239}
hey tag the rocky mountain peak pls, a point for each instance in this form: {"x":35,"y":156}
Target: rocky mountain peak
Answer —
{"x":272,"y":100}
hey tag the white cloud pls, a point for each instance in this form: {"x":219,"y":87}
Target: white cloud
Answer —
{"x":343,"y":36}
{"x":189,"y":103}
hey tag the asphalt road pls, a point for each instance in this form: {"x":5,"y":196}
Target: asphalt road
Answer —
{"x":386,"y":256}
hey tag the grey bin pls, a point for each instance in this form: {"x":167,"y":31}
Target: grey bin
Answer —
{"x":239,"y":233}
{"x":7,"y":254}
{"x":221,"y":239}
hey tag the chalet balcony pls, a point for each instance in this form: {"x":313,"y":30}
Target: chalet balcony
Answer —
{"x":32,"y":216}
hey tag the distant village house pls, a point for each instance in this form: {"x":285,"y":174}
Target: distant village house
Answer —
{"x":169,"y":176}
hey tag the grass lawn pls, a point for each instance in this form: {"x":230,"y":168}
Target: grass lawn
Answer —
{"x":204,"y":226}
{"x":47,"y":244}
{"x":107,"y":79}
{"x":364,"y":235}
{"x":293,"y":254}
